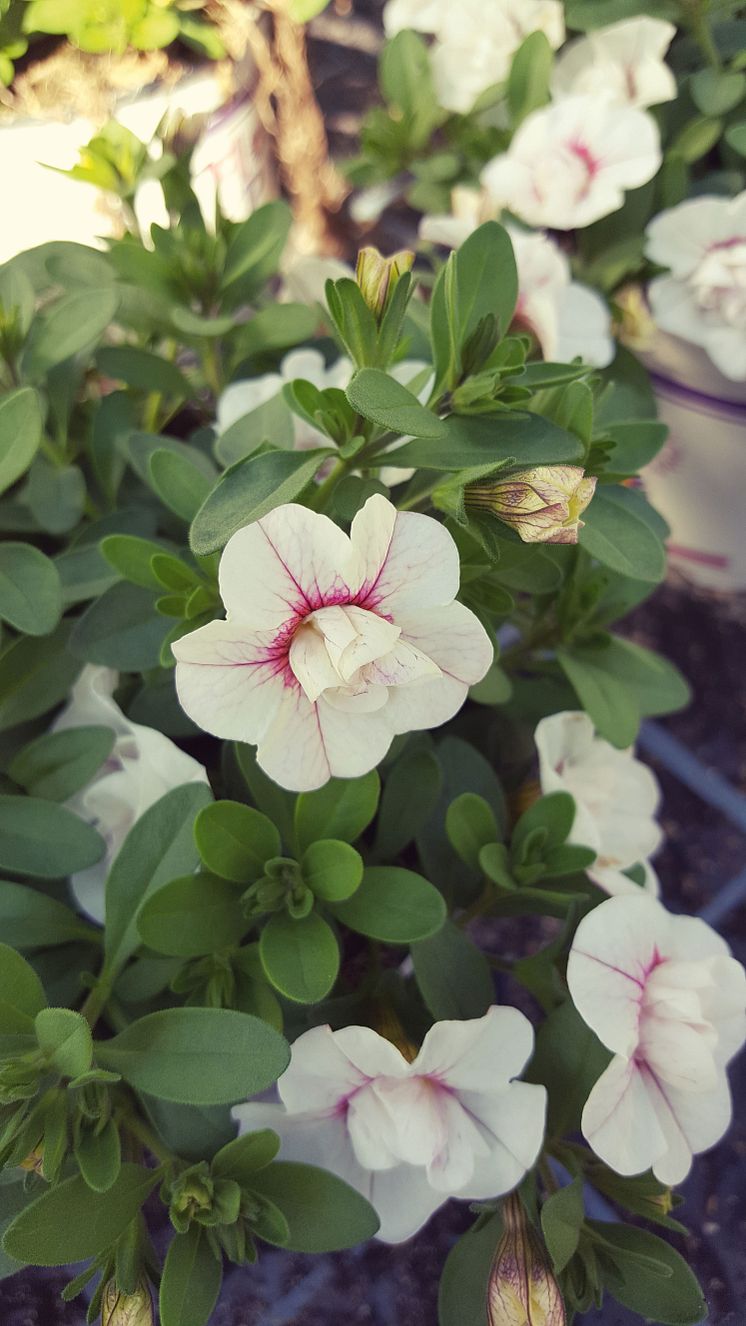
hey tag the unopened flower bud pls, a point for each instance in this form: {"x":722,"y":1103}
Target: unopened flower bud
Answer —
{"x":522,"y":1290}
{"x":34,"y":1160}
{"x":120,"y":1309}
{"x":635,"y":325}
{"x":378,"y":277}
{"x":543,"y":505}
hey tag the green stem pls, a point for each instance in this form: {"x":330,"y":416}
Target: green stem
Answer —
{"x":146,"y":1135}
{"x":702,"y":32}
{"x":212,"y":366}
{"x":324,"y":491}
{"x":97,"y":999}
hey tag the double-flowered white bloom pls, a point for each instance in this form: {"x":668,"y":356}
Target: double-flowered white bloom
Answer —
{"x":664,"y":995}
{"x":703,"y":299}
{"x":143,"y":765}
{"x":624,"y":62}
{"x":453,"y":1123}
{"x":332,"y":644}
{"x":570,"y":163}
{"x":616,"y":798}
{"x":475,"y":43}
{"x":567,"y":319}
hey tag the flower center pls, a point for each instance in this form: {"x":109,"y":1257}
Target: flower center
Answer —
{"x":333,"y":648}
{"x":720,"y":282}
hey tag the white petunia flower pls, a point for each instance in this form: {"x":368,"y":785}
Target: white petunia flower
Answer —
{"x":143,"y":765}
{"x":476,"y":44}
{"x":567,"y":319}
{"x":570,"y":163}
{"x":453,"y":1123}
{"x":703,"y":300}
{"x":616,"y":798}
{"x":332,"y":644}
{"x":663,"y":993}
{"x":419,"y":15}
{"x":624,"y":62}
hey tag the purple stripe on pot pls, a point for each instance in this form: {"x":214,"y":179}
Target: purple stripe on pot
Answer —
{"x":677,"y":392}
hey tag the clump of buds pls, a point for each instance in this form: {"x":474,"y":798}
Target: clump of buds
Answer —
{"x":522,"y":1288}
{"x":543,"y":504}
{"x":378,"y":277}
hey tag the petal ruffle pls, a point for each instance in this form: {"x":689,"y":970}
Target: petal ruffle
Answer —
{"x":228,"y":682}
{"x":410,"y":561}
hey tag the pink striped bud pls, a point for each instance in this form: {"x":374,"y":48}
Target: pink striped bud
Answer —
{"x":543,"y":505}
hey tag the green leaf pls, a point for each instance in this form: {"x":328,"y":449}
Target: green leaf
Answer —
{"x":274,"y":801}
{"x":271,"y":422}
{"x":619,"y":682}
{"x":20,"y":433}
{"x":554,"y":814}
{"x":492,"y":439}
{"x":453,"y":975}
{"x":463,"y":1285}
{"x":99,"y":1156}
{"x":324,"y":1213}
{"x":42,"y":839}
{"x":470,"y":825}
{"x":30,"y":919}
{"x":20,"y":986}
{"x":192,"y":1276}
{"x":142,"y":370}
{"x":55,"y":495}
{"x":332,"y":870}
{"x":394,"y":905}
{"x":72,"y":324}
{"x":487,"y":280}
{"x":300,"y":957}
{"x":648,"y":1276}
{"x":529,"y":77}
{"x":716,"y":91}
{"x":191,"y":916}
{"x":343,"y":808}
{"x":60,"y":763}
{"x":65,"y":1038}
{"x":735,"y":137}
{"x":696,"y":138}
{"x":131,"y":557}
{"x":30,"y":589}
{"x":181,"y":486}
{"x":568,"y":1060}
{"x":234,"y":840}
{"x":197,"y":1056}
{"x":71,"y":1222}
{"x":561,"y":1221}
{"x":256,"y":246}
{"x":249,"y":490}
{"x":381,"y":398}
{"x":121,"y":630}
{"x":409,"y":796}
{"x":619,"y":532}
{"x":241,"y":1158}
{"x":159,"y":847}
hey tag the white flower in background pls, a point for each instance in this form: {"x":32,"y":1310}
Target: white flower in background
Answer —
{"x":143,"y":765}
{"x":703,"y":300}
{"x":332,"y":644}
{"x":570,"y":163}
{"x":246,"y":395}
{"x":663,"y":993}
{"x":616,"y":798}
{"x":624,"y":62}
{"x":453,"y":1123}
{"x":304,"y":276}
{"x":240,"y":398}
{"x":476,"y":44}
{"x":419,"y":15}
{"x":567,"y":319}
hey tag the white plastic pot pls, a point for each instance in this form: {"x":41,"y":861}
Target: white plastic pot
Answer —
{"x":698,"y":480}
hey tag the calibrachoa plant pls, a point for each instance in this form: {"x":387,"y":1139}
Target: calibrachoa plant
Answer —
{"x":308,"y":678}
{"x":608,"y":134}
